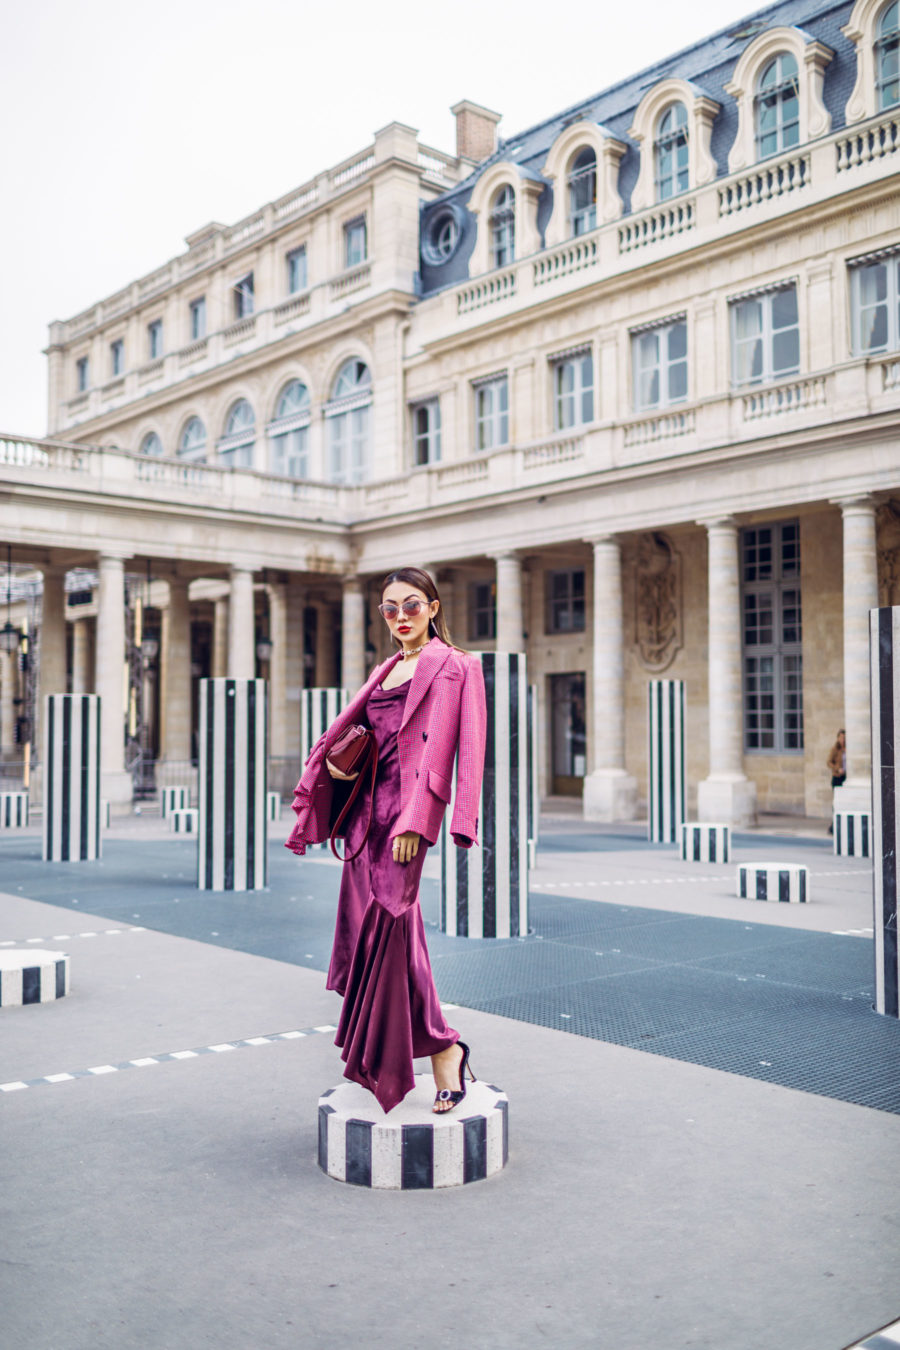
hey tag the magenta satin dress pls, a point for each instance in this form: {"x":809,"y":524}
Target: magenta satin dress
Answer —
{"x":379,"y":963}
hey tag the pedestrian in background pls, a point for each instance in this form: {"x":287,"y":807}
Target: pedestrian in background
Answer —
{"x":837,"y":763}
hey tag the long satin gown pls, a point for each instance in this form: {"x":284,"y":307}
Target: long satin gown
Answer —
{"x":379,"y":963}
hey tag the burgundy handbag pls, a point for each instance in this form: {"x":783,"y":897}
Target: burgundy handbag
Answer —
{"x":355,"y":751}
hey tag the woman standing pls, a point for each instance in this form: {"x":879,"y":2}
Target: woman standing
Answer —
{"x":424,"y":704}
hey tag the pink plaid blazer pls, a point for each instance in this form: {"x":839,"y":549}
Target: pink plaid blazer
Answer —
{"x":445,"y":714}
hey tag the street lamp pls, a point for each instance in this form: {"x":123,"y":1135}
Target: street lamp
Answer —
{"x":10,"y":637}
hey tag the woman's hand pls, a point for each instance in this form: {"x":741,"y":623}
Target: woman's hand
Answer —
{"x":406,"y":846}
{"x":336,"y":773}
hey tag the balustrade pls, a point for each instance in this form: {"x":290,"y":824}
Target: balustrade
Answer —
{"x":862,"y":145}
{"x":765,"y":182}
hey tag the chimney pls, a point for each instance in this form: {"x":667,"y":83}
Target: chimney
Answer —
{"x":476,"y":131}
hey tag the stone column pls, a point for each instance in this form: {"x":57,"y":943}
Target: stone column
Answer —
{"x":276,"y":599}
{"x":7,"y":707}
{"x":860,"y":595}
{"x":294,"y":669}
{"x":726,"y":795}
{"x":326,"y":675}
{"x":220,"y":638}
{"x":509,"y":602}
{"x":241,"y":632}
{"x":176,"y":674}
{"x":353,"y":634}
{"x":610,"y":792}
{"x":53,"y":634}
{"x":109,"y":683}
{"x":81,"y":657}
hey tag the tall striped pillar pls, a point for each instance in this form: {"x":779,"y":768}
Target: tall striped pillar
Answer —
{"x":71,"y":777}
{"x":318,"y":709}
{"x":666,"y":778}
{"x":884,"y":636}
{"x":232,"y":785}
{"x":484,"y":889}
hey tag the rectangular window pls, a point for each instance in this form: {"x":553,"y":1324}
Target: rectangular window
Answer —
{"x":355,"y":243}
{"x":773,"y":637}
{"x":296,"y":270}
{"x":82,"y":374}
{"x":348,"y":441}
{"x":482,"y":610}
{"x":290,"y":453}
{"x":243,"y":296}
{"x":573,"y":391}
{"x":154,"y":339}
{"x":427,"y":432}
{"x":492,"y":413}
{"x":198,"y":318}
{"x":765,"y":335}
{"x":117,"y":356}
{"x":875,"y":299}
{"x":659,"y":365}
{"x":565,"y":601}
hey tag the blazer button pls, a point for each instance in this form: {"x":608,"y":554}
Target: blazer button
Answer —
{"x":424,"y":735}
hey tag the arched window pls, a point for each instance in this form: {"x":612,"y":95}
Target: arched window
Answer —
{"x":349,"y":423}
{"x":236,"y":446}
{"x":672,"y":152}
{"x":778,"y":106}
{"x":151,"y":444}
{"x":289,"y":432}
{"x":193,"y":441}
{"x":887,"y":57}
{"x":583,"y":192}
{"x":503,"y":227}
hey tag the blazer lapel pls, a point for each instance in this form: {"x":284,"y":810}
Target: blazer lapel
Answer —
{"x":429,"y":663}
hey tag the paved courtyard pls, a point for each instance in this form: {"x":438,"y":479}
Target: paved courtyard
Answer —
{"x":704,"y":1113}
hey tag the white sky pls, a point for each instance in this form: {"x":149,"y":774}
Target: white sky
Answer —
{"x":127,"y":124}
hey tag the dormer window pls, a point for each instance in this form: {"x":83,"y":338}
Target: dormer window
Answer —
{"x":503,"y":227}
{"x":887,"y":57}
{"x":583,"y":192}
{"x":778,"y":106}
{"x":672,"y":170}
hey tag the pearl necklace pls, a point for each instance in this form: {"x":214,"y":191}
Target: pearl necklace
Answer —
{"x":414,"y":651}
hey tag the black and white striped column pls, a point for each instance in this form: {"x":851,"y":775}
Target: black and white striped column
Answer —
{"x":705,"y":843}
{"x":884,"y":634}
{"x":173,"y":799}
{"x":776,"y":882}
{"x":184,"y":820}
{"x":666,"y":794}
{"x":71,"y":777}
{"x":13,"y":810}
{"x":32,"y":976}
{"x":318,"y":709}
{"x":484,"y":890}
{"x":232,"y":785}
{"x":853,"y":834}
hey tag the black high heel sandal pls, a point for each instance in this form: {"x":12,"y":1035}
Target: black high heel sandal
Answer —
{"x":446,"y":1094}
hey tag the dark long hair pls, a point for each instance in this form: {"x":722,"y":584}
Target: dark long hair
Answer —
{"x":414,"y":576}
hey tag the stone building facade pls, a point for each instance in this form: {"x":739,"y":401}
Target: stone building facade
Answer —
{"x":628,"y":384}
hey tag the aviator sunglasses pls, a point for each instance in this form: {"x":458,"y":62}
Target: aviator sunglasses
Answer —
{"x":409,"y":607}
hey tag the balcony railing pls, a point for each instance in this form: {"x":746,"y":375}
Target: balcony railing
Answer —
{"x":875,"y":140}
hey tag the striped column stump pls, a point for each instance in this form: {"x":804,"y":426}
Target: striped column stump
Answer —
{"x":884,"y":667}
{"x":484,"y":890}
{"x":853,"y":834}
{"x":71,"y":778}
{"x":13,"y":810}
{"x":273,"y":806}
{"x":105,"y":816}
{"x":666,"y":792}
{"x":781,"y":883}
{"x":32,"y":976}
{"x":185,"y":820}
{"x":319,"y":707}
{"x":232,"y":785}
{"x":173,"y":799}
{"x":410,"y":1148}
{"x":701,"y":842}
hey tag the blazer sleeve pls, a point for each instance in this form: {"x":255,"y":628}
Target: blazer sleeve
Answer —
{"x":312,"y":802}
{"x":470,"y":761}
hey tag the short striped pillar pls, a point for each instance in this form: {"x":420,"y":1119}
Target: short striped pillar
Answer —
{"x":853,"y":834}
{"x":273,"y":806}
{"x":13,"y":810}
{"x":105,"y":816}
{"x":701,"y":842}
{"x":318,"y":709}
{"x":232,"y":785}
{"x":32,"y":976}
{"x":173,"y":799}
{"x":71,"y":777}
{"x":534,"y":780}
{"x":410,"y":1148}
{"x":184,"y":821}
{"x":666,"y":795}
{"x":484,"y":889}
{"x":884,"y":633}
{"x":779,"y":883}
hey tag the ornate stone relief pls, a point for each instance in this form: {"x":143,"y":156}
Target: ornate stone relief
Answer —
{"x":888,"y":544}
{"x":657,"y":608}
